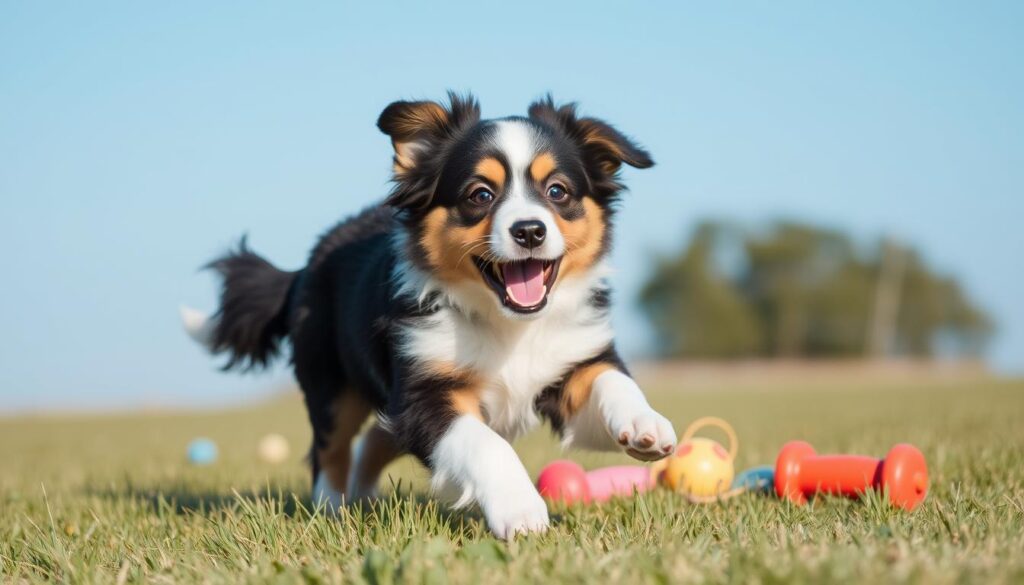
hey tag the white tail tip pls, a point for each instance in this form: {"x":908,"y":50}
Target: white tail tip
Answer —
{"x":198,"y":325}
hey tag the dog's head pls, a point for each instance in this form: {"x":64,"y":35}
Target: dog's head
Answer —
{"x":512,"y":206}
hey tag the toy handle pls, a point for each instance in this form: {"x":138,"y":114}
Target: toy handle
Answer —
{"x":713,"y":421}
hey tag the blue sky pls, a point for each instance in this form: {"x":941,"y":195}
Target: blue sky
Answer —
{"x":138,"y":140}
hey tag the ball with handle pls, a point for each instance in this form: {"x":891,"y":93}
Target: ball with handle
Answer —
{"x":700,"y":467}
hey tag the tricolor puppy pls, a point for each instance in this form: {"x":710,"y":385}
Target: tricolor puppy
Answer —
{"x":468,"y":306}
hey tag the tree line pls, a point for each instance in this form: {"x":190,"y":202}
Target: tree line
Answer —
{"x":796,"y":290}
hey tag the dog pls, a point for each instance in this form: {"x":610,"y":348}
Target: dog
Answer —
{"x":465,"y":308}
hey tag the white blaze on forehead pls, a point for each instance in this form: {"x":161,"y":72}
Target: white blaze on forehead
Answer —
{"x":519,"y":143}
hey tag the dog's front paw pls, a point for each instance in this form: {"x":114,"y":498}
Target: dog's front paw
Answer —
{"x":517,"y":513}
{"x":646,"y":436}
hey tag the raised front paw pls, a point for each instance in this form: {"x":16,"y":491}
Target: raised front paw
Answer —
{"x":520,"y":513}
{"x":646,"y":436}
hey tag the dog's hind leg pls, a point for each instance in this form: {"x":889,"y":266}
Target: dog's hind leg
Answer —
{"x":336,"y":409}
{"x":333,"y":450}
{"x":373,"y":452}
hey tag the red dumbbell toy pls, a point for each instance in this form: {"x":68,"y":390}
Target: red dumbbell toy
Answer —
{"x":800,"y":472}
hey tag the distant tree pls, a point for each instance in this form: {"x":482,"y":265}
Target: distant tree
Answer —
{"x":936,"y":316}
{"x":696,"y":311}
{"x":800,"y":290}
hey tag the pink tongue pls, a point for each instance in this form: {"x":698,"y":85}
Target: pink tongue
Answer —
{"x":524,"y":282}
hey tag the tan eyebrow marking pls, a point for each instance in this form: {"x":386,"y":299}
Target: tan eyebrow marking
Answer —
{"x":492,"y":170}
{"x":542,"y":166}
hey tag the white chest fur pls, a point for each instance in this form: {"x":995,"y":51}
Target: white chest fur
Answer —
{"x":515,"y":360}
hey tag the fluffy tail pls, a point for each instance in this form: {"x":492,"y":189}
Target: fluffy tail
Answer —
{"x":253,"y":315}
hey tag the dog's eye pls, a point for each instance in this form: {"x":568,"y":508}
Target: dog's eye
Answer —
{"x":557,"y":193}
{"x":481,"y":196}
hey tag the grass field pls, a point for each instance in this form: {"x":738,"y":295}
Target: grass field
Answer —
{"x":110,"y":499}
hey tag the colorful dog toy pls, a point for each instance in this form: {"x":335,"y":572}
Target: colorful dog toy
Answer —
{"x":202,"y":451}
{"x":760,"y":479}
{"x":273,"y":448}
{"x":702,"y":471}
{"x":800,"y":473}
{"x":567,"y":482}
{"x":700,"y":467}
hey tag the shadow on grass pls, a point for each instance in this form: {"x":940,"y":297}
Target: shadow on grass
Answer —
{"x":193,"y":501}
{"x":395,"y":506}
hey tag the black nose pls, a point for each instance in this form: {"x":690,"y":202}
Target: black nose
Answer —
{"x":528,"y":234}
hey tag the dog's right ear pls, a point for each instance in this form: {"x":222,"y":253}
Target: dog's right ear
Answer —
{"x":413,"y":127}
{"x":419,"y":130}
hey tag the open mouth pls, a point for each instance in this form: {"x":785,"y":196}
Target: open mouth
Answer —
{"x":522,"y":285}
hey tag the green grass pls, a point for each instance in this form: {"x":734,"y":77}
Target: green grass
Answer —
{"x":110,"y":499}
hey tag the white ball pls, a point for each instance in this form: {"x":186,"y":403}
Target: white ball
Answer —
{"x":273,"y":448}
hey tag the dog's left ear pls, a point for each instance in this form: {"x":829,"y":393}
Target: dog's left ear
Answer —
{"x":603,"y":146}
{"x":419,"y":131}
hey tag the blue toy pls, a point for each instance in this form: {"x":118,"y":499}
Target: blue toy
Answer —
{"x":760,"y":479}
{"x":202,"y":451}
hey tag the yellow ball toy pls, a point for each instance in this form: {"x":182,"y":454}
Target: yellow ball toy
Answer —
{"x":700,"y":467}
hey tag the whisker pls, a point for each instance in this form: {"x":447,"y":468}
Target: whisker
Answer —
{"x":468,"y":252}
{"x":572,"y":247}
{"x":474,"y":242}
